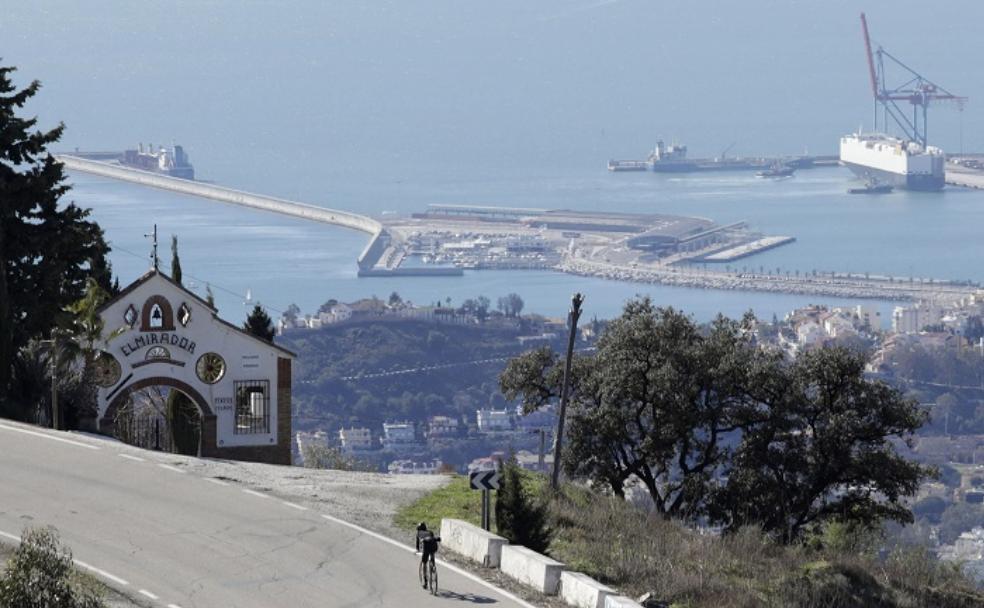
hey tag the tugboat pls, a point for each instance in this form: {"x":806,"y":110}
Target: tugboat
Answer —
{"x":872,"y":186}
{"x":777,"y":171}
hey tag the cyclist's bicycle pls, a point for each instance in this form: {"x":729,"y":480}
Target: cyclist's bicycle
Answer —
{"x":428,"y":574}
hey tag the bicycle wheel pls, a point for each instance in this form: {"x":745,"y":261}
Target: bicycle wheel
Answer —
{"x":421,"y":573}
{"x":433,"y":578}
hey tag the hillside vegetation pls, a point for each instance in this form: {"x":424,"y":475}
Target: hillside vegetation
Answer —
{"x":637,"y":552}
{"x":355,"y":349}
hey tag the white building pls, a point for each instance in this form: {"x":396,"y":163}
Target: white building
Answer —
{"x":336,"y":314}
{"x":490,"y":421}
{"x":912,"y":319}
{"x":398,"y":434}
{"x":442,"y":426}
{"x":836,"y":326}
{"x":355,"y":438}
{"x":410,"y":467}
{"x":809,"y":334}
{"x":158,"y":333}
{"x":868,"y":315}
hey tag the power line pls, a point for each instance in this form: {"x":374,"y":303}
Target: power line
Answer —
{"x":216,"y":286}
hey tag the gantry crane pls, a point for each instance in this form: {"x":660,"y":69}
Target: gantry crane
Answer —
{"x":917,"y":90}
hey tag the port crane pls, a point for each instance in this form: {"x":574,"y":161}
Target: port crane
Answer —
{"x":917,"y":90}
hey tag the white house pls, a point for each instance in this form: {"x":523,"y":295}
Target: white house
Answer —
{"x":398,"y":434}
{"x":809,"y":334}
{"x":355,"y":438}
{"x":157,"y":333}
{"x":493,"y":420}
{"x":410,"y":467}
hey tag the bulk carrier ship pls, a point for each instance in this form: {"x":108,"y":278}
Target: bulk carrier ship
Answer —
{"x":881,"y":159}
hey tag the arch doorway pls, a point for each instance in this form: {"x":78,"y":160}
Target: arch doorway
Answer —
{"x":159,"y":416}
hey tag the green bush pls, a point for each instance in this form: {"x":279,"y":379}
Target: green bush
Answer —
{"x":41,"y":575}
{"x":520,"y":516}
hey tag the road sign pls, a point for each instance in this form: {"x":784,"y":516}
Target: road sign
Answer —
{"x":485,"y":480}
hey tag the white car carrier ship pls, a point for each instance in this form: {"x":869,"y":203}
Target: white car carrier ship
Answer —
{"x":881,"y":159}
{"x":907,"y":162}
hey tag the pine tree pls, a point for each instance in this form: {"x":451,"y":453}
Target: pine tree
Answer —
{"x":175,"y":260}
{"x":259,"y":324}
{"x":46,"y":252}
{"x":519,"y":517}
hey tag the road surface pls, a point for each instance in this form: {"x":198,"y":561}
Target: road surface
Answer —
{"x":177,"y":540}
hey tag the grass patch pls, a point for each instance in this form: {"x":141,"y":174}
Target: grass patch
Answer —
{"x":456,"y":500}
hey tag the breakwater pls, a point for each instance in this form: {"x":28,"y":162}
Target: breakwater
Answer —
{"x":345,"y":219}
{"x":840,"y":286}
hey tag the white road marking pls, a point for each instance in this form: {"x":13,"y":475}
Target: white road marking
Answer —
{"x":170,"y":468}
{"x":149,"y":594}
{"x":101,"y":573}
{"x":255,"y":493}
{"x":295,"y":506}
{"x":173,"y":606}
{"x":16,"y":539}
{"x":128,"y":457}
{"x":47,"y":436}
{"x":217,"y":482}
{"x":451,"y":567}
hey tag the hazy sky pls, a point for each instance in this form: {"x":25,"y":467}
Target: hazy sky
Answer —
{"x":428,"y":85}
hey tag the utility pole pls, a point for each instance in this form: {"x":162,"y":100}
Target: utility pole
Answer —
{"x":53,"y":359}
{"x":572,"y":318}
{"x":153,"y":255}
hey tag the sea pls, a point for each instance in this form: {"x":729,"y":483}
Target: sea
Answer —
{"x":386,"y":107}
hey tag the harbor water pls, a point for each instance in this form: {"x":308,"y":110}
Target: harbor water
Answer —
{"x":280,"y":260}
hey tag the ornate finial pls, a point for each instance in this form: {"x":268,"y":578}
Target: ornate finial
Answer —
{"x":153,"y":255}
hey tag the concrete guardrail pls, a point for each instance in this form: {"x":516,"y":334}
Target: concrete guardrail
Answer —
{"x":473,"y":542}
{"x":620,"y":601}
{"x":582,"y":591}
{"x":531,"y":568}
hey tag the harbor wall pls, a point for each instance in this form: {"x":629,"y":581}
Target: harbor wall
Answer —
{"x":345,"y":219}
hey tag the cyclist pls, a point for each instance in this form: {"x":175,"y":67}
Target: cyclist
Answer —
{"x":429,"y":543}
{"x":421,"y":527}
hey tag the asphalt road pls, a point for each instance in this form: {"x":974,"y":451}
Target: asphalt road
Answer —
{"x":178,"y":540}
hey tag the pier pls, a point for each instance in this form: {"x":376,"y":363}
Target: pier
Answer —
{"x":345,"y":219}
{"x":964,"y":177}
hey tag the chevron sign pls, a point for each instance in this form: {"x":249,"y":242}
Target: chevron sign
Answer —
{"x":485,"y":480}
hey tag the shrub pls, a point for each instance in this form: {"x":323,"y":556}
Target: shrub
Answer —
{"x":520,"y":516}
{"x":41,"y":575}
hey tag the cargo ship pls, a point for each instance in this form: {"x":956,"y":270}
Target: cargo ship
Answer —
{"x":896,"y":162}
{"x":900,"y":162}
{"x":172,"y":162}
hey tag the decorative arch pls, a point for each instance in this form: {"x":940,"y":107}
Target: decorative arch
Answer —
{"x":107,"y":422}
{"x":152,"y":303}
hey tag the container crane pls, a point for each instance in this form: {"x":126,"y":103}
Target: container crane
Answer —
{"x":918,"y":91}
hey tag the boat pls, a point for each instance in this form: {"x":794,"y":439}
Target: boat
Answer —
{"x":871,"y":187}
{"x":777,"y":171}
{"x":899,"y":163}
{"x":627,"y":165}
{"x":670,"y":159}
{"x":168,"y":161}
